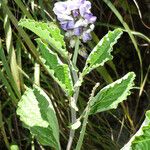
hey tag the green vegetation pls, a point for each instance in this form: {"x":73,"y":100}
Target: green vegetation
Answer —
{"x":93,"y":96}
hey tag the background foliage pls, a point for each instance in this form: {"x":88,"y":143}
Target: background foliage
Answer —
{"x":19,"y":68}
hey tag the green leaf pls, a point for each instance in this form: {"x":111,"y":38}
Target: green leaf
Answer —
{"x":111,"y":95}
{"x":48,"y":32}
{"x":37,"y":113}
{"x":141,"y":140}
{"x":14,"y":147}
{"x":58,"y":70}
{"x":102,"y":51}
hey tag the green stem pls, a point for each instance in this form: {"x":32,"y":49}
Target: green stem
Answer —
{"x":75,"y":56}
{"x":80,"y":141}
{"x":76,"y":94}
{"x":85,"y":121}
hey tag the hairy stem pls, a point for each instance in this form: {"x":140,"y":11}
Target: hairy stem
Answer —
{"x":75,"y":96}
{"x":85,"y":121}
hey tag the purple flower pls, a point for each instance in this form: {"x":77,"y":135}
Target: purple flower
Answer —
{"x":61,"y":8}
{"x":85,"y":8}
{"x":75,"y":13}
{"x":67,"y":25}
{"x":90,"y":17}
{"x":86,"y":37}
{"x":78,"y":31}
{"x":75,"y":18}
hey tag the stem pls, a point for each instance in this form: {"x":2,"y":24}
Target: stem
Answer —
{"x":75,"y":96}
{"x":78,"y":147}
{"x":73,"y":120}
{"x":85,"y":121}
{"x":75,"y":56}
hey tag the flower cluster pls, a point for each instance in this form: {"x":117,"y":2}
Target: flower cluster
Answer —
{"x":75,"y":18}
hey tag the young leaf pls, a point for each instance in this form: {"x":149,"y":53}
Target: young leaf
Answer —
{"x":37,"y":113}
{"x":59,"y":71}
{"x":49,"y":32}
{"x":110,"y":96}
{"x":141,"y":140}
{"x":102,"y":51}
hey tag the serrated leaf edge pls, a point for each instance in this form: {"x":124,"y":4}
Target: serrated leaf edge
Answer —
{"x":124,"y":95}
{"x":20,"y":103}
{"x":66,"y":89}
{"x":140,"y":132}
{"x":29,"y":127}
{"x":95,"y":49}
{"x":35,"y":23}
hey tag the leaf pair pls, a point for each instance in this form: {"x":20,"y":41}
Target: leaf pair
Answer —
{"x":55,"y":67}
{"x":61,"y":74}
{"x":110,"y":96}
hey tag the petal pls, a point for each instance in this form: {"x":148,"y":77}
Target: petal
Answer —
{"x":85,"y":8}
{"x":75,"y":13}
{"x":73,"y":5}
{"x":87,"y":4}
{"x":78,"y":31}
{"x":93,"y":19}
{"x":90,"y":17}
{"x":70,"y":25}
{"x":86,"y":37}
{"x":82,"y":1}
{"x":67,"y":25}
{"x":64,"y":17}
{"x":59,"y":7}
{"x":81,"y":23}
{"x":64,"y":26}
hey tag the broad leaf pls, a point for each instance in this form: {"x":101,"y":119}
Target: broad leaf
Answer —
{"x":49,"y":32}
{"x":102,"y":52}
{"x":58,"y":70}
{"x":141,"y":140}
{"x":37,"y":113}
{"x":110,"y":96}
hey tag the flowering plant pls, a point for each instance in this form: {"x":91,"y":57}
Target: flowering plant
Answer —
{"x":36,"y":109}
{"x":75,"y":18}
